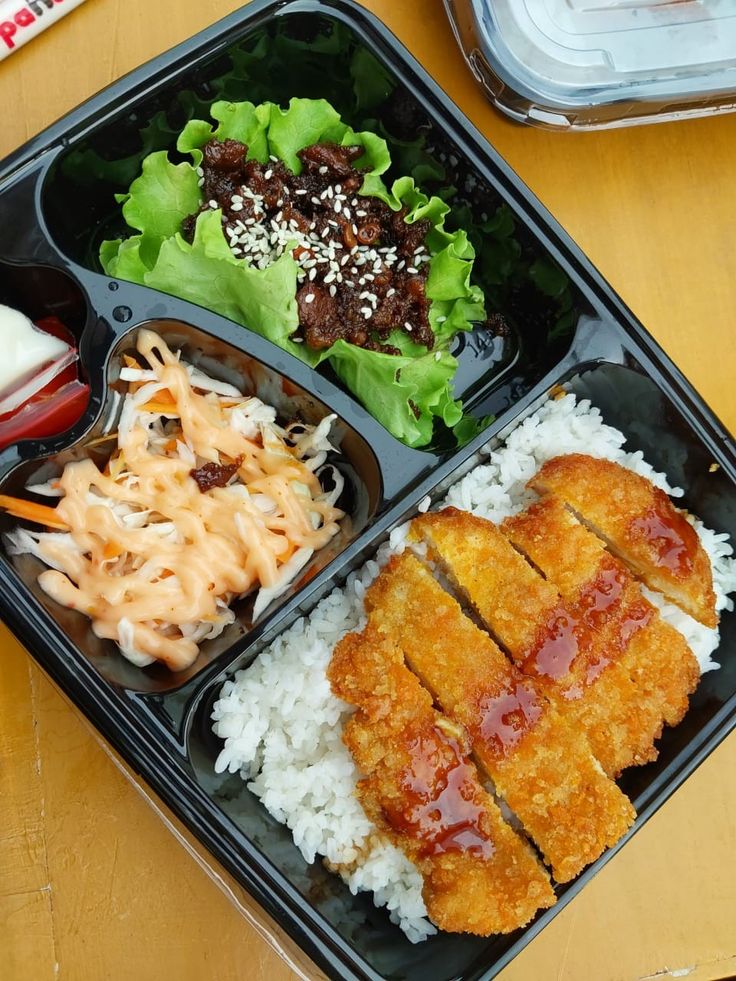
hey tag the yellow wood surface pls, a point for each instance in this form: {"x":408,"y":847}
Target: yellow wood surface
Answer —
{"x":92,"y":885}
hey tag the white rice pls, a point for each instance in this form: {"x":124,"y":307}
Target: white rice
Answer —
{"x":282,"y":725}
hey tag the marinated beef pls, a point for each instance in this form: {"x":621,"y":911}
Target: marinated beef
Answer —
{"x":362,"y":267}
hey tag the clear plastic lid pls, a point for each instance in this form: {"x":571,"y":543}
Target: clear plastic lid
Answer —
{"x":589,"y":63}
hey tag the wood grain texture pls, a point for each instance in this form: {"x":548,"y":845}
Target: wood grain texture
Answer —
{"x":92,"y":885}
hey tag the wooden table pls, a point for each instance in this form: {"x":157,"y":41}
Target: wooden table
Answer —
{"x":92,"y":886}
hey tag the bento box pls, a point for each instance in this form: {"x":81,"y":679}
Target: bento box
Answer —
{"x":554,"y":326}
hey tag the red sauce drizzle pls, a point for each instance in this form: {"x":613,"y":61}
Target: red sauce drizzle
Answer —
{"x":569,"y":629}
{"x":439,"y":805}
{"x":505,"y":718}
{"x":599,"y":603}
{"x":671,"y":537}
{"x":555,"y":647}
{"x":635,"y":618}
{"x":601,"y":594}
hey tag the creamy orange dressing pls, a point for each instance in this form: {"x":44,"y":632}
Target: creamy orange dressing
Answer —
{"x":192,"y":548}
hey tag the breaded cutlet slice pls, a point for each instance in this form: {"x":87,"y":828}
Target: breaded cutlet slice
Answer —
{"x":657,"y":658}
{"x":540,"y":766}
{"x":640,"y":525}
{"x":423,"y":793}
{"x":556,"y":639}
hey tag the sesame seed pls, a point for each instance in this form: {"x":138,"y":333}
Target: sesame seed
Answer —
{"x":309,"y":298}
{"x":390,"y":292}
{"x":333,"y":290}
{"x":367,"y":312}
{"x":322,"y":170}
{"x":312,"y":273}
{"x":268,"y":175}
{"x":441,"y":320}
{"x":408,"y":326}
{"x":236,"y":207}
{"x":412,"y":269}
{"x":301,"y":190}
{"x":437,"y":356}
{"x":338,"y":188}
{"x":346,"y":212}
{"x":361,"y":213}
{"x":214,"y":205}
{"x":273,"y":159}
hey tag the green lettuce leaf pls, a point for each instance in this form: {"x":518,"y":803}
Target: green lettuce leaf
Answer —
{"x":207,"y":273}
{"x":406,"y":392}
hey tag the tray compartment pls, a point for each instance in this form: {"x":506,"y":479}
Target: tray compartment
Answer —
{"x":355,"y":459}
{"x":314,"y":54}
{"x":635,"y":403}
{"x":161,"y":725}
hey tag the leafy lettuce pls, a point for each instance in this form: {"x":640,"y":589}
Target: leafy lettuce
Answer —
{"x":406,"y":392}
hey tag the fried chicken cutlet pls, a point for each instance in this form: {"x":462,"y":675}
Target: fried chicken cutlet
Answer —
{"x":639,"y":523}
{"x":422,"y":792}
{"x":562,"y":641}
{"x":540,"y":766}
{"x":657,"y":658}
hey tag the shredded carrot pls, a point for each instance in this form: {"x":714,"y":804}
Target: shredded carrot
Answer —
{"x":130,"y":362}
{"x":112,"y":550}
{"x":165,"y":408}
{"x":164,"y":397}
{"x":39,"y":514}
{"x":288,"y":553}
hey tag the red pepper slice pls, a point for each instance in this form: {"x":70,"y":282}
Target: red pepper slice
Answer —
{"x":56,"y":407}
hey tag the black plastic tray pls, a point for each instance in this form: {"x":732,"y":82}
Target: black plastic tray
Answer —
{"x":567,"y":327}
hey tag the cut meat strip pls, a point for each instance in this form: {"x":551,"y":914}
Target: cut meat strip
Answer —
{"x":661,"y":665}
{"x":562,"y":641}
{"x":640,"y":524}
{"x":541,"y":766}
{"x":424,"y":794}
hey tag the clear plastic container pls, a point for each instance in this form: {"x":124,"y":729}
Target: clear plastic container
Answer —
{"x":586,"y":64}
